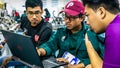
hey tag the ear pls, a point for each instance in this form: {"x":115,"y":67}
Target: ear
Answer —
{"x":101,"y":12}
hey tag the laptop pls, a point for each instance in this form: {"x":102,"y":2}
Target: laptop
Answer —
{"x":22,"y":47}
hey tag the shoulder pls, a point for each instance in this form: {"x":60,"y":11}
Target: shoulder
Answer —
{"x":113,"y":29}
{"x":46,"y":24}
{"x":61,"y":31}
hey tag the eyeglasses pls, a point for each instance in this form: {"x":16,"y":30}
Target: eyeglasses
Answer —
{"x":36,"y":13}
{"x":71,"y":18}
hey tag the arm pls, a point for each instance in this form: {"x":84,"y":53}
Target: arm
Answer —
{"x":95,"y":59}
{"x":49,"y":47}
{"x":45,"y":35}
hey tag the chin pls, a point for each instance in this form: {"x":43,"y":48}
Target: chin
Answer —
{"x":33,"y":25}
{"x":99,"y":32}
{"x":68,"y":27}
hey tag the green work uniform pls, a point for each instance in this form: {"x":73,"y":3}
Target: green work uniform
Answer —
{"x":63,"y":40}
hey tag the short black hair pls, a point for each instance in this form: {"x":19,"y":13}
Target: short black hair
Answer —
{"x":110,"y":5}
{"x":33,"y":3}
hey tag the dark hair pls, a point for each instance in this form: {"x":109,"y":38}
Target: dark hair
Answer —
{"x":33,"y":3}
{"x":80,"y":15}
{"x":110,"y":5}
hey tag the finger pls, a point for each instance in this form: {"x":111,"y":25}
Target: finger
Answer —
{"x":62,"y":60}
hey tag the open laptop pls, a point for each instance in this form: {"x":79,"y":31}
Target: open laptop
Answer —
{"x":22,"y":47}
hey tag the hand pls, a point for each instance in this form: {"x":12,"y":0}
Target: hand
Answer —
{"x":5,"y":61}
{"x":62,"y":60}
{"x":81,"y":65}
{"x":41,"y":51}
{"x":65,"y":61}
{"x":89,"y":66}
{"x":38,"y":51}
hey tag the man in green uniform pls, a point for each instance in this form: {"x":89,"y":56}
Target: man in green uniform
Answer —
{"x":71,"y":39}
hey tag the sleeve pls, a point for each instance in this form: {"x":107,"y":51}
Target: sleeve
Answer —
{"x":45,"y":35}
{"x":51,"y":45}
{"x":112,"y":45}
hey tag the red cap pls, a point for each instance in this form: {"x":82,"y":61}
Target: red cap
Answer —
{"x":74,"y":8}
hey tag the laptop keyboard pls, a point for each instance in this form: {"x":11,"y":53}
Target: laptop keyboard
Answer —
{"x":51,"y":63}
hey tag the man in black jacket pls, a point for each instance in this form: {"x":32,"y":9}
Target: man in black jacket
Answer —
{"x":36,"y":27}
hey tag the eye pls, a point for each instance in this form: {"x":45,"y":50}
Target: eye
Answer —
{"x":30,"y":13}
{"x":37,"y":12}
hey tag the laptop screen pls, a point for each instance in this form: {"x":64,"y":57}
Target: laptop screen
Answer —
{"x":22,"y":47}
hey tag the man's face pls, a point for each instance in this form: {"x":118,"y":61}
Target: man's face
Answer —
{"x":34,"y":15}
{"x":94,"y":20}
{"x":72,"y":22}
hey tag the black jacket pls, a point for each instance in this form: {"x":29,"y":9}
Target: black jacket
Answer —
{"x":40,"y":34}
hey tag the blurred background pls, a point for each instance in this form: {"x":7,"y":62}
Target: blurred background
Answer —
{"x":19,"y":5}
{"x":9,"y":7}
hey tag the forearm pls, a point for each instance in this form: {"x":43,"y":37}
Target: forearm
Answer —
{"x":95,"y":59}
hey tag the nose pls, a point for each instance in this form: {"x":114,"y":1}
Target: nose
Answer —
{"x":34,"y":16}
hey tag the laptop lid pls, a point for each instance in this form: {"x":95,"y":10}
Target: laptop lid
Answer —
{"x":22,"y":47}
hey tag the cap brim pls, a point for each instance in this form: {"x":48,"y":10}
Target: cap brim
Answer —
{"x":70,"y":12}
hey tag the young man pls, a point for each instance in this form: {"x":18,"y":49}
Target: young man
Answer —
{"x":103,"y":16}
{"x":36,"y":27}
{"x":71,"y":38}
